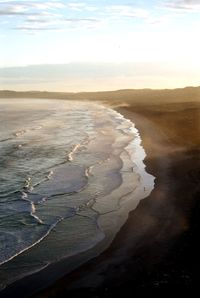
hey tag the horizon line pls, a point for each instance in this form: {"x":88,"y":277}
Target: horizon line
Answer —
{"x":99,"y":91}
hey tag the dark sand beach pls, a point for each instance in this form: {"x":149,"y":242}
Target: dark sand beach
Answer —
{"x":157,"y":251}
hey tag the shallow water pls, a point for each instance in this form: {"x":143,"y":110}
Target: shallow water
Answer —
{"x":70,"y":172}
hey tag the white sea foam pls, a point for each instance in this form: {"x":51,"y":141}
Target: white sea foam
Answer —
{"x":87,"y":199}
{"x":72,"y":152}
{"x":124,"y":199}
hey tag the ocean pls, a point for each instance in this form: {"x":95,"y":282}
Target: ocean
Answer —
{"x":70,"y":173}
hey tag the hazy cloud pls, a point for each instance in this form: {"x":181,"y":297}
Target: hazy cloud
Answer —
{"x":80,"y":6}
{"x":35,"y":23}
{"x":47,"y":15}
{"x":62,"y":15}
{"x":12,"y":9}
{"x":27,"y":7}
{"x":189,"y":5}
{"x":10,"y":12}
{"x":39,"y":19}
{"x":127,"y":11}
{"x":34,"y":28}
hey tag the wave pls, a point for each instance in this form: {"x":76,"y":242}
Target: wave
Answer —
{"x":30,"y":246}
{"x":85,"y":197}
{"x":71,"y":153}
{"x":137,"y":184}
{"x":20,"y":132}
{"x":5,"y":140}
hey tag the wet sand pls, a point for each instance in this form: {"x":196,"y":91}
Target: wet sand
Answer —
{"x":157,"y":251}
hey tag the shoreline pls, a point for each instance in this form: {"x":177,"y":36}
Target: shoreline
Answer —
{"x":140,"y":252}
{"x":148,"y":254}
{"x":126,"y":197}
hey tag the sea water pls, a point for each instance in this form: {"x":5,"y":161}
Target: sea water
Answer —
{"x":70,"y":172}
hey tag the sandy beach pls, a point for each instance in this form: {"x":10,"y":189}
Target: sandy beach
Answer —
{"x":99,"y":149}
{"x":156,"y":252}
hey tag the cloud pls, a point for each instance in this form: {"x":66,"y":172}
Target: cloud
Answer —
{"x":61,"y":15}
{"x":187,"y":5}
{"x":80,"y":6}
{"x":81,"y":20}
{"x":10,"y":12}
{"x":16,"y":9}
{"x":48,"y":15}
{"x":35,"y":28}
{"x":127,"y":11}
{"x":27,"y":7}
{"x":38,"y":19}
{"x":35,"y":23}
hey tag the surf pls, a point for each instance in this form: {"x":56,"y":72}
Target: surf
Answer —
{"x":70,"y":187}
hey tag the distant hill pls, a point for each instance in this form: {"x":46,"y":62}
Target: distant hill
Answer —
{"x":137,"y":96}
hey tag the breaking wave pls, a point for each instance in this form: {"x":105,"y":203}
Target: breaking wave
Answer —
{"x":71,"y":173}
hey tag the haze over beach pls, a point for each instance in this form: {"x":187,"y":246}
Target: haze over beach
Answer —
{"x":99,"y":45}
{"x":99,"y":148}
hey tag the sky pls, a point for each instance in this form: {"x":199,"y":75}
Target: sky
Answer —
{"x":59,"y":45}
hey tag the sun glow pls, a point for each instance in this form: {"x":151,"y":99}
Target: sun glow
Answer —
{"x":161,"y":38}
